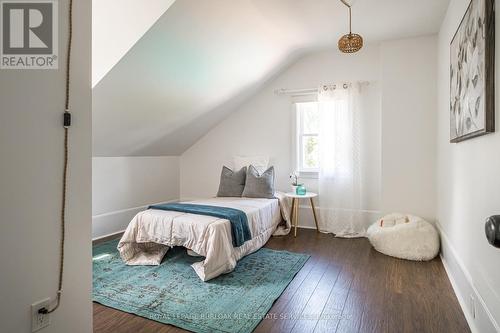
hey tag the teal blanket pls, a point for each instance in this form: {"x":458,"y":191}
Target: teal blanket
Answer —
{"x":238,"y":219}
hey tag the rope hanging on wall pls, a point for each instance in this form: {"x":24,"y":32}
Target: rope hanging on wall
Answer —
{"x":66,"y":125}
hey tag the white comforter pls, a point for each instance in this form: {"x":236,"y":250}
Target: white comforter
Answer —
{"x":151,"y":232}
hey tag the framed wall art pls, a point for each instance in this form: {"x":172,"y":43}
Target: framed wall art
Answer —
{"x":472,"y":73}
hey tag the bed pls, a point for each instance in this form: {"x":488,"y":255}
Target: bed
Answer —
{"x":152,"y":232}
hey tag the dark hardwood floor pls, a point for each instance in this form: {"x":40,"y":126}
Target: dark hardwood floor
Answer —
{"x":346,"y":286}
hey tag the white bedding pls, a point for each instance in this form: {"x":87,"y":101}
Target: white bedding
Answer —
{"x":151,"y":232}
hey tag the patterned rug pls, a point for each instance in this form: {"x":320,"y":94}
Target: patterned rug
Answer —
{"x":173,"y":294}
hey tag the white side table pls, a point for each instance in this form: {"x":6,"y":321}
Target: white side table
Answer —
{"x":294,"y":215}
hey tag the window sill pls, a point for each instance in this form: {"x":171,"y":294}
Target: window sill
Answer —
{"x":308,"y":174}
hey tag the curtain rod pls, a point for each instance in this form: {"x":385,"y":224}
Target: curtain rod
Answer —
{"x":306,"y":91}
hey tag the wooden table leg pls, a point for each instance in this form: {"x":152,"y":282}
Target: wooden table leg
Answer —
{"x":296,"y":216}
{"x":292,"y":211}
{"x":314,"y":213}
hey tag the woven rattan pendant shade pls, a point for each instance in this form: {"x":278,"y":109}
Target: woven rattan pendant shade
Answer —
{"x":350,"y":43}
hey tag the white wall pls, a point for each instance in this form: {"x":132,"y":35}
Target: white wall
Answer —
{"x":122,"y":186}
{"x":263,"y":126}
{"x":468,"y":184}
{"x":112,"y":39}
{"x":31,"y":146}
{"x":409,"y":97}
{"x":202,"y":59}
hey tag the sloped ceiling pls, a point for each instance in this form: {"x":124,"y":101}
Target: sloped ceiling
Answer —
{"x":201,"y":59}
{"x":116,"y":26}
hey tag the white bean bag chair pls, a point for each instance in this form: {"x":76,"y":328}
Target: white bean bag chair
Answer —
{"x":404,"y":236}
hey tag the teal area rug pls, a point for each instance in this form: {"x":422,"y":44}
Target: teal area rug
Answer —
{"x":172,"y":293}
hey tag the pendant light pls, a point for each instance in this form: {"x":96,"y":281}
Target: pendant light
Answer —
{"x":350,"y":43}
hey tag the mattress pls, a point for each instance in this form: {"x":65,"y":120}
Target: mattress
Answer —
{"x":152,"y":232}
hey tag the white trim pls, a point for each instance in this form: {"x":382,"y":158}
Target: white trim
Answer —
{"x":299,"y":135}
{"x":306,"y":227}
{"x":129,"y":209}
{"x":112,"y":222}
{"x":108,"y":235}
{"x":461,"y":301}
{"x":479,"y":324}
{"x":309,"y":174}
{"x":294,"y":138}
{"x":306,"y":219}
{"x":342,"y":209}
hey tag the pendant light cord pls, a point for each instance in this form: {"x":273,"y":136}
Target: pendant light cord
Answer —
{"x":350,"y":21}
{"x":346,"y":3}
{"x":350,"y":16}
{"x":350,"y":43}
{"x":66,"y":124}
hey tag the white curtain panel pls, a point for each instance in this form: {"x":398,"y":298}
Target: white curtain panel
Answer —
{"x":339,"y":183}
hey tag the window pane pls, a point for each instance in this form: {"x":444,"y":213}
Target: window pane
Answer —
{"x":310,"y":153}
{"x":310,"y":118}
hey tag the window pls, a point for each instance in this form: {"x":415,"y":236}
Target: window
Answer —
{"x":307,"y":138}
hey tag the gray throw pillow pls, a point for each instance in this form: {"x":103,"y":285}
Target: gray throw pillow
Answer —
{"x":259,"y":186}
{"x":231,"y":183}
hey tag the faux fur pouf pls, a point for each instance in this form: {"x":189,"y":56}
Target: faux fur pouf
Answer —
{"x":404,"y":236}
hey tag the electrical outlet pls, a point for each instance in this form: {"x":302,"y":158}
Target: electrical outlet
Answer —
{"x":472,"y":306}
{"x":40,"y":320}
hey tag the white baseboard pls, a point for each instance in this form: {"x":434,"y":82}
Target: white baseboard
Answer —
{"x":111,"y":223}
{"x":480,"y":319}
{"x":108,"y":235}
{"x":306,"y":219}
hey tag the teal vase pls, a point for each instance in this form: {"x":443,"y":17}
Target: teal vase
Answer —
{"x":300,"y":190}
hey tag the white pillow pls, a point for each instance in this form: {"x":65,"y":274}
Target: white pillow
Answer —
{"x":260,"y":162}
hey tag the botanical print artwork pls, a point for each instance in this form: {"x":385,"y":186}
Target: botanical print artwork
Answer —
{"x":468,"y":103}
